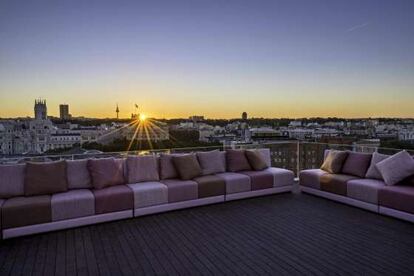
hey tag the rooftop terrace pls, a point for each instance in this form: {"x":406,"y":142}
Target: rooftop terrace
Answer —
{"x":286,"y":234}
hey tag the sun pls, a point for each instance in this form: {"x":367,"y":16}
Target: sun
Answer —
{"x":142,"y":117}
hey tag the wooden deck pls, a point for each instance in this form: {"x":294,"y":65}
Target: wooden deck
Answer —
{"x":286,"y":234}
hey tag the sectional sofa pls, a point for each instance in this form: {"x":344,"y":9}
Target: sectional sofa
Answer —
{"x":359,"y":184}
{"x":50,"y":196}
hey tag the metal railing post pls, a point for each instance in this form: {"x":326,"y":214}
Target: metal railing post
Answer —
{"x":297,"y":158}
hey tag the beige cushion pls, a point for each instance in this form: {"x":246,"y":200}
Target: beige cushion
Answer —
{"x":187,"y":166}
{"x":256,"y":160}
{"x":334,"y":161}
{"x":45,"y":178}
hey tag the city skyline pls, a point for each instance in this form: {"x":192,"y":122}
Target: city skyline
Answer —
{"x":272,"y":59}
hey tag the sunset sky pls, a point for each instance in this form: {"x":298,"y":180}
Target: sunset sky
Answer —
{"x":213,"y":58}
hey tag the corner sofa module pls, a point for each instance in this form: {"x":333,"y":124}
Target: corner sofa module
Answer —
{"x":335,"y":183}
{"x":73,"y":204}
{"x":113,"y":199}
{"x":210,"y":185}
{"x":281,"y":177}
{"x":181,"y":190}
{"x":311,"y":178}
{"x":149,"y":194}
{"x":24,"y":211}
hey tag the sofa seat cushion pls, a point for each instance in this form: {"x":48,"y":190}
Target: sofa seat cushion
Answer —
{"x":149,"y":194}
{"x":236,"y":182}
{"x":73,"y":204}
{"x":113,"y":199}
{"x":260,"y":179}
{"x":281,"y":177}
{"x":210,"y":185}
{"x":335,"y":183}
{"x":23,"y":211}
{"x":12,"y":180}
{"x":311,"y":178}
{"x":364,"y":189}
{"x":397,"y":197}
{"x":181,"y":190}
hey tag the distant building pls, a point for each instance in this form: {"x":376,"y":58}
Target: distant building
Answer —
{"x":244,"y":116}
{"x":40,"y":110}
{"x":64,"y":112}
{"x":196,"y":118}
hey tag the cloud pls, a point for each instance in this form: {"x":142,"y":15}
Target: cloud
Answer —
{"x":357,"y":27}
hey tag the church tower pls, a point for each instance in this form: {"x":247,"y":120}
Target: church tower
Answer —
{"x":40,"y":109}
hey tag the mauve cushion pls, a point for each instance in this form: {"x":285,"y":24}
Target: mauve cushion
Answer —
{"x":78,"y":174}
{"x":187,"y":166}
{"x":256,"y":160}
{"x":212,"y":162}
{"x":396,"y":167}
{"x":106,"y":172}
{"x":334,"y":161}
{"x":142,"y":168}
{"x":167,"y":168}
{"x":45,"y":178}
{"x":266,"y":155}
{"x":372,"y":171}
{"x":357,"y":163}
{"x":236,"y":160}
{"x":12,"y":180}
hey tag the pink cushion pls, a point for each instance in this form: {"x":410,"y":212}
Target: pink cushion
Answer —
{"x":142,"y":168}
{"x":106,"y":172}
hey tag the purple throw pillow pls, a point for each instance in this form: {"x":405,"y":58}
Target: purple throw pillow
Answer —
{"x":212,"y":162}
{"x":167,"y":168}
{"x":396,"y":167}
{"x":357,"y":163}
{"x":106,"y":172}
{"x":12,"y":180}
{"x":45,"y":178}
{"x":236,"y":160}
{"x":78,"y":174}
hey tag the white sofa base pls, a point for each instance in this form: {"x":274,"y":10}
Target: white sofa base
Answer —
{"x":64,"y":224}
{"x":275,"y":190}
{"x":342,"y":199}
{"x":396,"y":214}
{"x":177,"y":205}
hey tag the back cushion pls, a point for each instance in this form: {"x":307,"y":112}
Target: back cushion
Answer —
{"x":12,"y":180}
{"x":142,"y":168}
{"x":45,"y":178}
{"x":236,"y":161}
{"x":357,"y":164}
{"x":334,"y":161}
{"x":78,"y":174}
{"x":372,"y":171}
{"x":167,"y":168}
{"x":266,"y":155}
{"x":106,"y":172}
{"x":212,"y":162}
{"x":187,"y":166}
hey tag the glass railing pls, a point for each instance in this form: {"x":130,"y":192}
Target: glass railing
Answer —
{"x":291,"y":155}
